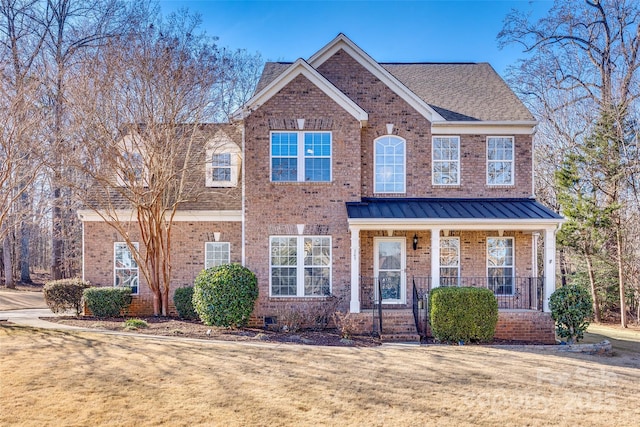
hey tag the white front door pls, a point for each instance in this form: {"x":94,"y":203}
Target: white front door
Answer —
{"x":389,"y":265}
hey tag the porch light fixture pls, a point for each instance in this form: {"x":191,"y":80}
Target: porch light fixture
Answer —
{"x":415,"y":241}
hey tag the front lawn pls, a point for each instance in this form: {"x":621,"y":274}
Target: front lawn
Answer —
{"x":79,"y":378}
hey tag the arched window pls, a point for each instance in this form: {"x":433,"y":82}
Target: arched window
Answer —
{"x":389,"y":165}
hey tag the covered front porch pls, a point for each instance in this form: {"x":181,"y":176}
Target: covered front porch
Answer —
{"x":402,"y":248}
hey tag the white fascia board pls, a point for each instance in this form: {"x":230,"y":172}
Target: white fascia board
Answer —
{"x":126,"y":215}
{"x":301,"y":67}
{"x":453,"y":224}
{"x":344,"y":43}
{"x":524,"y":127}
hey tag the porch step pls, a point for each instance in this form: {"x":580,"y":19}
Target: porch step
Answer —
{"x":398,"y":325}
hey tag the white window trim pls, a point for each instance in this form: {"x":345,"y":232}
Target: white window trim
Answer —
{"x":375,"y":165}
{"x":442,"y":240}
{"x":300,"y":157}
{"x":300,"y":266}
{"x":115,"y":244}
{"x":512,"y":266}
{"x":433,"y":160}
{"x":222,"y":144}
{"x":512,"y":161}
{"x":227,"y":244}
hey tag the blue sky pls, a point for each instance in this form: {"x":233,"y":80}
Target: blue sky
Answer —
{"x":401,"y":31}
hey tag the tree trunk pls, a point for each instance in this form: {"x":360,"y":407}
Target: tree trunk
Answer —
{"x":157,"y":302}
{"x":594,"y":293}
{"x":563,"y":268}
{"x":56,"y":238}
{"x":623,"y":308}
{"x":8,"y":265}
{"x":25,"y":231}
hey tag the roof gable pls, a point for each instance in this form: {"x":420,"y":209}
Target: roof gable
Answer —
{"x":301,"y":67}
{"x":342,"y":42}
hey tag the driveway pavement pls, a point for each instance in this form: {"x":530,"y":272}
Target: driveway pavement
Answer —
{"x":26,"y":308}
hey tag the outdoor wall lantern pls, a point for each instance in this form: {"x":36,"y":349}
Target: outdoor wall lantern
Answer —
{"x":415,"y":241}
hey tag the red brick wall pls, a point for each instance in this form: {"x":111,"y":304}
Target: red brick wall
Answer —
{"x":532,"y":326}
{"x":188,"y":239}
{"x":274,"y":208}
{"x":384,"y":106}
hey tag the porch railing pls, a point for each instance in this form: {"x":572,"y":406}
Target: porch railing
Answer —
{"x":512,"y":293}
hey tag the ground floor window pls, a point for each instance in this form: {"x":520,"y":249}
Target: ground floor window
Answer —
{"x":449,"y":261}
{"x":216,"y":253}
{"x":125,"y":267}
{"x":300,"y":265}
{"x":500,"y":263}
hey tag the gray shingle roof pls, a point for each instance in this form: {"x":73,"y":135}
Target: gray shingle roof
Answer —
{"x":506,"y":209}
{"x":457,"y":91}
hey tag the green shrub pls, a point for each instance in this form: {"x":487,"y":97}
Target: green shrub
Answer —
{"x":463,"y":314}
{"x":183,"y":300}
{"x":135,"y":324}
{"x":65,"y":294}
{"x":225,"y":295}
{"x":571,"y":308}
{"x":107,"y":302}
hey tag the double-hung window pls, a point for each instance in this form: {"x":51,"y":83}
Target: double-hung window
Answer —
{"x":500,"y":160}
{"x":125,"y":267}
{"x":216,"y":253}
{"x":301,"y":156}
{"x":300,"y":266}
{"x":449,"y":261}
{"x":500,"y":265}
{"x":446,"y":160}
{"x":389,"y":165}
{"x":221,"y":167}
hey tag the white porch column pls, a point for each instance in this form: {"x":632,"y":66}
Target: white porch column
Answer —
{"x":549,"y":265}
{"x":354,"y":306}
{"x":435,"y":257}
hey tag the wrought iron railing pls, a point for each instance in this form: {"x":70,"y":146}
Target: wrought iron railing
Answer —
{"x":524,"y":293}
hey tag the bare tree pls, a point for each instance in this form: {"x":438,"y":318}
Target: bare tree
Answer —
{"x":22,"y":28}
{"x":582,"y":69}
{"x":75,"y":27}
{"x":144,"y":101}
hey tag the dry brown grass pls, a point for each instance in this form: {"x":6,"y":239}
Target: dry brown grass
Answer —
{"x":77,"y":379}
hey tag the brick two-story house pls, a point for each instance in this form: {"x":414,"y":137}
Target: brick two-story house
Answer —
{"x":377,"y":182}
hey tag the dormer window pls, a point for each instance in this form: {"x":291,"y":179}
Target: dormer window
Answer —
{"x":221,"y":167}
{"x":131,"y":167}
{"x":223,"y":161}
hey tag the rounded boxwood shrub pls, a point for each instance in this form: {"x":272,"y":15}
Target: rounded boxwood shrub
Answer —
{"x":183,"y":300}
{"x":571,"y":308}
{"x":107,"y":302}
{"x":463,"y":314}
{"x":225,"y":295}
{"x":65,"y":294}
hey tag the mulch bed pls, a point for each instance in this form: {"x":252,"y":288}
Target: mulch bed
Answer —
{"x":165,"y":326}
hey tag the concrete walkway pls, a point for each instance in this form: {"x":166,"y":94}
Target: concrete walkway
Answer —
{"x":26,"y":308}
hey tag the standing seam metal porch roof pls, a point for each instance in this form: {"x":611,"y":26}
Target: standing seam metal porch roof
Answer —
{"x":438,"y":208}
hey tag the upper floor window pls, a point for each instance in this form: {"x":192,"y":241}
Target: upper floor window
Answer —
{"x":125,"y":267}
{"x":301,"y":156}
{"x":223,"y":161}
{"x":221,"y":167}
{"x":446,"y":160}
{"x":389,"y":165}
{"x":131,"y":169}
{"x":216,"y":253}
{"x":500,"y":160}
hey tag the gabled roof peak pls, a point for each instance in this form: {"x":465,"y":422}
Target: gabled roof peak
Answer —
{"x":342,"y":42}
